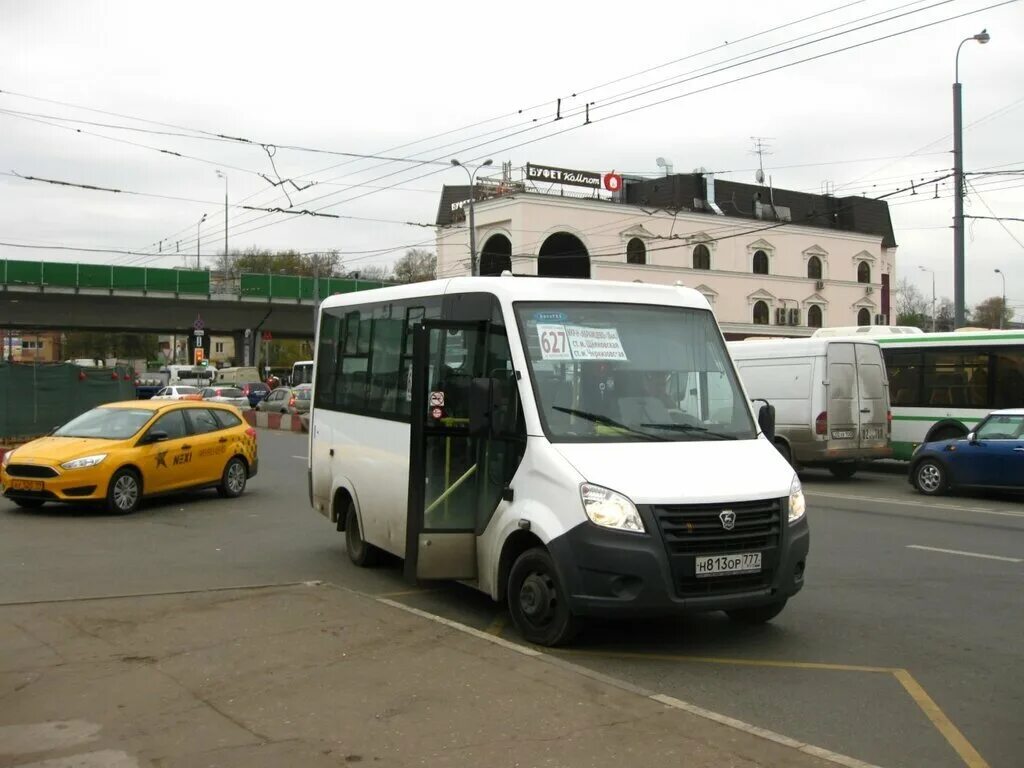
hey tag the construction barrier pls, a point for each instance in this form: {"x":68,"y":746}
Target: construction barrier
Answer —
{"x":276,"y":421}
{"x":35,"y":398}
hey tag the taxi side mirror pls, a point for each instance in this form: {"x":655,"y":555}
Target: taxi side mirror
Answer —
{"x":157,"y":436}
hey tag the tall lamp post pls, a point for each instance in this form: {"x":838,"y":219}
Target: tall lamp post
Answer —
{"x":932,"y":271}
{"x":958,"y":181}
{"x":222,"y":175}
{"x":1002,"y":307}
{"x":472,"y":218}
{"x":198,"y":224}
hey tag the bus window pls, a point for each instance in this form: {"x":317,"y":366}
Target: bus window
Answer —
{"x":1009,"y":378}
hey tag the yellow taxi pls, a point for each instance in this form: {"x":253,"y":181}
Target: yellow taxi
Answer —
{"x":121,"y":452}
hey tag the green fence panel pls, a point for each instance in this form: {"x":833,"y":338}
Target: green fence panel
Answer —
{"x":193,"y":281}
{"x":60,"y":274}
{"x":255,"y":285}
{"x":129,"y":278}
{"x":94,"y":275}
{"x":24,"y":272}
{"x":161,"y":279}
{"x":306,"y":288}
{"x":285,"y":286}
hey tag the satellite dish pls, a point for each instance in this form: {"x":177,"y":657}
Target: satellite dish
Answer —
{"x":759,"y":176}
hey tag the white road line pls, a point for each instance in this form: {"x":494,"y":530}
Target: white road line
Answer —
{"x":966,"y":554}
{"x":922,"y":504}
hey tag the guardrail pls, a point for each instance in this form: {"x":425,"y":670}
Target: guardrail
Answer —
{"x":188,"y":282}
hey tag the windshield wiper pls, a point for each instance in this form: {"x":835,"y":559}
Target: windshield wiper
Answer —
{"x":690,"y":428}
{"x":599,"y":419}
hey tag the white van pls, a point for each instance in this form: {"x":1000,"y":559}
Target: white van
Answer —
{"x":575,"y":447}
{"x":831,"y":398}
{"x":238,"y":375}
{"x":190,"y":375}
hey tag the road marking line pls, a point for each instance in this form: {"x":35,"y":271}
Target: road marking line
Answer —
{"x":925,"y":504}
{"x":406,"y":593}
{"x":497,"y":626}
{"x":951,"y":733}
{"x":965,"y":554}
{"x":737,"y":662}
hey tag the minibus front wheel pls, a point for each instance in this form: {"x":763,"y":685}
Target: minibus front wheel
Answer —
{"x":538,"y":601}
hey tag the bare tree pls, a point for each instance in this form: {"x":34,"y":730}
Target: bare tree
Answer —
{"x":416,"y":266}
{"x":992,"y":313}
{"x":912,"y":308}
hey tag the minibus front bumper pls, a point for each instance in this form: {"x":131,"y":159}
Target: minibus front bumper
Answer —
{"x":616,"y":574}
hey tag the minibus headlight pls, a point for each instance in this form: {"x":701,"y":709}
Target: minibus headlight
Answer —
{"x":797,"y":504}
{"x":85,"y":461}
{"x":610,"y":509}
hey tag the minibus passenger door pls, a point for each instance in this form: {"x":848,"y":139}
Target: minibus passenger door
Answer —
{"x":444,"y":470}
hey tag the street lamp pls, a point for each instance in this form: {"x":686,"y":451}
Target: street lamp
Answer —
{"x":222,"y":175}
{"x":472,"y":217}
{"x":925,"y":269}
{"x":958,"y":181}
{"x":1002,"y":307}
{"x":197,"y":240}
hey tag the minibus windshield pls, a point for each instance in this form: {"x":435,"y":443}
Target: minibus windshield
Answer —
{"x":630,"y":372}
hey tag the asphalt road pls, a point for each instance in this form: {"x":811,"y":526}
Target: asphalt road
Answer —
{"x":903,"y":649}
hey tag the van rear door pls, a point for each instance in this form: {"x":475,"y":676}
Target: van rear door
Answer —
{"x":873,"y":395}
{"x":843,"y":405}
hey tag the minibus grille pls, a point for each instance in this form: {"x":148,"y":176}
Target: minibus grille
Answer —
{"x":697,"y":529}
{"x":30,"y":470}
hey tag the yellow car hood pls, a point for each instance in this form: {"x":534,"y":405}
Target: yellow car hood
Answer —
{"x":54,"y":450}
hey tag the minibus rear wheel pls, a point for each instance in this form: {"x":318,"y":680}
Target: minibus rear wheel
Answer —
{"x":359,"y":552}
{"x":538,"y":601}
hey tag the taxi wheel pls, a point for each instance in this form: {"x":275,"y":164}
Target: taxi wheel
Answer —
{"x":124,"y":492}
{"x":232,"y":482}
{"x":760,"y":614}
{"x":538,"y":602}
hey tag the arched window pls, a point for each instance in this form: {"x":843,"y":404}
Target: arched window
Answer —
{"x":760,"y":313}
{"x":864,"y":274}
{"x":760,"y":263}
{"x":636,"y":251}
{"x":814,"y":316}
{"x":701,"y":257}
{"x":864,"y":317}
{"x":814,"y":268}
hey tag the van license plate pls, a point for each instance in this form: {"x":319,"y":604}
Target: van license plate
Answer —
{"x":872,"y":433}
{"x":725,"y":565}
{"x":26,"y":485}
{"x":842,"y":434}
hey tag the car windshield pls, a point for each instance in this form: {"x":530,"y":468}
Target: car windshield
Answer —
{"x":106,"y":423}
{"x":257,"y":387}
{"x":302,"y":393}
{"x":627,"y":372}
{"x":1001,"y":426}
{"x":229,"y":392}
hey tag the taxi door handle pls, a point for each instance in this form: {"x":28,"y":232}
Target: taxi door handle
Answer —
{"x":186,"y":447}
{"x":222,"y":440}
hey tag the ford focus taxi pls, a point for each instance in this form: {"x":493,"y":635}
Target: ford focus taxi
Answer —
{"x":119,"y":453}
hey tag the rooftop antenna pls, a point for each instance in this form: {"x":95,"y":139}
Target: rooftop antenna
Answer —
{"x":761,"y":148}
{"x":661,"y":162}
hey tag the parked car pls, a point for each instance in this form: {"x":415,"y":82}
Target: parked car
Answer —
{"x":227,"y":396}
{"x":291,"y":400}
{"x":178,"y":392}
{"x":117,"y":453}
{"x":992,"y":456}
{"x":255,"y":391}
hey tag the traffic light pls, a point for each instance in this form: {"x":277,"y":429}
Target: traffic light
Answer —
{"x":199,"y":358}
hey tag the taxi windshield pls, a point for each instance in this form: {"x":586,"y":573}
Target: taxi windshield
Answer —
{"x":106,"y":423}
{"x":630,"y":372}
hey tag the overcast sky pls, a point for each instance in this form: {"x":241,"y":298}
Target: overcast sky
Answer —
{"x":371,"y":77}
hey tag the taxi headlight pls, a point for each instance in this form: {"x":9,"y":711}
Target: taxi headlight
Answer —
{"x":85,"y":461}
{"x":797,"y":503}
{"x":609,"y":509}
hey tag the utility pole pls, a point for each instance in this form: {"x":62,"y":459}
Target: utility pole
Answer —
{"x":1002,"y":307}
{"x":473,"y":270}
{"x":198,"y":224}
{"x":316,"y":291}
{"x":925,"y":269}
{"x":224,"y":176}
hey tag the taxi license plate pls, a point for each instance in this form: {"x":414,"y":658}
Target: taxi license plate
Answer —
{"x":727,"y":565}
{"x":26,"y":485}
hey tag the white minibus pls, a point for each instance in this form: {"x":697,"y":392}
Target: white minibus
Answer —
{"x":831,"y":398}
{"x":573,"y":447}
{"x":302,"y":373}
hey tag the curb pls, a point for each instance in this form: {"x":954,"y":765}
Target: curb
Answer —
{"x":279,"y":421}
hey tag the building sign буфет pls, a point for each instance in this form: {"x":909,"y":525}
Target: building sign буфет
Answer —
{"x":551,"y":175}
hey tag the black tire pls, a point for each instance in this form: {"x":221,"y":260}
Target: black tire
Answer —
{"x":29,"y":503}
{"x":930,"y":477}
{"x":124,"y":492}
{"x":538,"y":602}
{"x":946,"y":433}
{"x":359,"y":551}
{"x":233,"y":478}
{"x":783,"y":449}
{"x":844,"y":470}
{"x":759,"y":614}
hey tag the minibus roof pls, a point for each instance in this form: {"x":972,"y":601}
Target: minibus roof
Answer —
{"x":512,"y":288}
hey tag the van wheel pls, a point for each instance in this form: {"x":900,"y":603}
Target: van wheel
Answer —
{"x":930,"y":478}
{"x":359,"y":552}
{"x":538,"y":601}
{"x":844,"y":470}
{"x":760,"y":614}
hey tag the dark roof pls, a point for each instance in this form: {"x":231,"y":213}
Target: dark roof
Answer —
{"x":449,"y":196}
{"x":688,"y":191}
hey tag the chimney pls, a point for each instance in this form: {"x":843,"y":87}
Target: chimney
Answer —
{"x":709,"y":183}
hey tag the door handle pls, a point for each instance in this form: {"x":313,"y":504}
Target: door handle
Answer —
{"x":865,"y":410}
{"x":186,"y":447}
{"x":222,"y":440}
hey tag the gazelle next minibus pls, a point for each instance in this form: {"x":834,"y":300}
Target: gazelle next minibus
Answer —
{"x":575,"y":447}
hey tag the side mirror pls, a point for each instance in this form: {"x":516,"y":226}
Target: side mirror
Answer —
{"x":157,"y":436}
{"x":766,"y":421}
{"x":972,"y":437}
{"x":481,"y":407}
